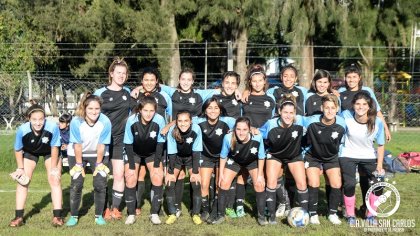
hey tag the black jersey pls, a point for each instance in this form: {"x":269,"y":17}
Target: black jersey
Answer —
{"x":192,"y":142}
{"x":38,"y":145}
{"x":283,"y":143}
{"x":259,"y":109}
{"x":298,"y":92}
{"x":232,"y":106}
{"x":243,"y":153}
{"x":213,"y":134}
{"x":324,"y":140}
{"x":313,"y":103}
{"x":116,"y":106}
{"x":164,"y":103}
{"x":346,"y":97}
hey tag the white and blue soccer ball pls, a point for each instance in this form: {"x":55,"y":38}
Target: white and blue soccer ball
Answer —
{"x":298,"y":217}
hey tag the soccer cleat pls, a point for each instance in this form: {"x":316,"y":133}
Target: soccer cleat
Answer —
{"x":230,"y":213}
{"x":72,"y":221}
{"x":16,"y":222}
{"x":138,"y":211}
{"x":154,"y":218}
{"x":205,"y":215}
{"x":107,"y":214}
{"x":262,"y":220}
{"x":281,"y":209}
{"x":333,"y":218}
{"x":197,"y":219}
{"x":178,"y":213}
{"x":171,"y":219}
{"x":218,"y":220}
{"x":100,"y":220}
{"x":371,"y":220}
{"x":57,"y":221}
{"x":351,"y":220}
{"x":272,"y":220}
{"x":116,"y":214}
{"x":240,"y":211}
{"x":314,"y":220}
{"x":131,"y":219}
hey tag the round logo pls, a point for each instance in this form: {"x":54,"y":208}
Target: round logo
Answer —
{"x":386,"y":203}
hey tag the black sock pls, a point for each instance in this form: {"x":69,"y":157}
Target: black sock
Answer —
{"x":221,"y":202}
{"x":271,"y":201}
{"x":290,"y":186}
{"x":335,"y":199}
{"x":205,"y":206}
{"x":196,"y":198}
{"x":179,"y":193}
{"x":116,"y":198}
{"x":57,"y":212}
{"x":313,"y":200}
{"x":261,"y":197}
{"x":231,"y":195}
{"x":156,"y":198}
{"x":170,"y":197}
{"x":141,"y":186}
{"x":327,"y":193}
{"x":19,"y":213}
{"x":240,"y":194}
{"x":130,"y":200}
{"x":303,"y":198}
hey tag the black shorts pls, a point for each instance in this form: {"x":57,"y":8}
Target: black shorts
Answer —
{"x":209,"y":162}
{"x":35,"y":158}
{"x":349,"y":165}
{"x":285,"y":161}
{"x":116,"y":148}
{"x":321,"y":164}
{"x":232,"y":165}
{"x":85,"y":160}
{"x":141,"y":160}
{"x":183,"y":161}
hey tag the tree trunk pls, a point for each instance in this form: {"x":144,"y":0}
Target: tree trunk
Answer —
{"x":175,"y":58}
{"x":241,"y":42}
{"x":307,"y":64}
{"x":367,"y":55}
{"x":391,"y":68}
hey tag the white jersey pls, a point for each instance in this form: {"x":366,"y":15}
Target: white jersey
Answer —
{"x":90,"y":136}
{"x":358,"y":143}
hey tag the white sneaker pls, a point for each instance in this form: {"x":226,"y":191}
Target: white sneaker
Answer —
{"x":314,"y":220}
{"x":154,"y":218}
{"x":334,"y":219}
{"x":131,"y":219}
{"x":178,"y":213}
{"x":281,"y":210}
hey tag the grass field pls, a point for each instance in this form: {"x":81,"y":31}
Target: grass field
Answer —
{"x":38,"y":211}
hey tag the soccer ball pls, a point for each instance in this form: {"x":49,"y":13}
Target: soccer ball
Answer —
{"x":298,"y":217}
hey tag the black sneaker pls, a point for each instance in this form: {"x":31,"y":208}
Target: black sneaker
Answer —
{"x":262,"y":220}
{"x":205,"y":215}
{"x":218,"y":220}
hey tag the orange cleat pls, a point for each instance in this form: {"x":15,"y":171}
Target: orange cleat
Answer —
{"x":107,"y":214}
{"x":116,"y":214}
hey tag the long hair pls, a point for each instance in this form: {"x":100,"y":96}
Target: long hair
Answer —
{"x":234,"y":139}
{"x":176,"y":132}
{"x":353,"y":69}
{"x":116,"y":62}
{"x":254,"y":70}
{"x":152,"y":71}
{"x":372,"y":112}
{"x":207,"y":103}
{"x":187,"y":71}
{"x":144,"y":101}
{"x":319,"y":74}
{"x":87,"y":98}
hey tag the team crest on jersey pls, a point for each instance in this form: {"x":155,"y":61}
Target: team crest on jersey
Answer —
{"x":334,"y":135}
{"x":205,"y":131}
{"x":124,"y":97}
{"x":278,"y":136}
{"x":295,"y":134}
{"x":295,"y":94}
{"x":136,"y":133}
{"x":268,"y":156}
{"x":219,"y":131}
{"x":189,"y":140}
{"x":314,"y":104}
{"x":267,"y":104}
{"x":191,"y":100}
{"x":229,"y":161}
{"x":234,"y":102}
{"x":111,"y":99}
{"x":153,"y":134}
{"x":319,"y":132}
{"x":157,"y":100}
{"x":253,"y":150}
{"x":344,"y":98}
{"x":32,"y":140}
{"x":45,"y":139}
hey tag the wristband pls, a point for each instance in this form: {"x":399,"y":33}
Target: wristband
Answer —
{"x":97,"y":164}
{"x":79,"y":164}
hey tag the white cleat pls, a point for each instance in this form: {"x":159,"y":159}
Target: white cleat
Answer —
{"x":314,"y":220}
{"x":131,"y":219}
{"x":154,"y":218}
{"x":334,"y":219}
{"x":281,"y":210}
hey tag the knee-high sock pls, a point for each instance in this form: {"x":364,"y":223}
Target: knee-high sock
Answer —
{"x":196,"y":197}
{"x":141,"y":186}
{"x":313,"y":200}
{"x":221,"y":202}
{"x":179,"y":193}
{"x":116,"y":198}
{"x":335,"y":199}
{"x":99,"y":188}
{"x":328,"y":192}
{"x":76,"y":187}
{"x":303,"y":198}
{"x":170,"y":197}
{"x":240,"y":194}
{"x":261,"y":197}
{"x":350,"y":203}
{"x":205,"y":206}
{"x":231,"y":194}
{"x":372,"y":201}
{"x":290,"y":186}
{"x":271,"y":201}
{"x":156,"y":198}
{"x":130,"y":200}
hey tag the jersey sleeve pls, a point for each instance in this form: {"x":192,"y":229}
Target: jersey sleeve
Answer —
{"x":171,"y":142}
{"x":225,"y":146}
{"x":197,"y":120}
{"x":198,"y":142}
{"x":230,"y":121}
{"x":128,"y":135}
{"x":300,"y":120}
{"x":55,"y":142}
{"x":261,"y":150}
{"x":265,"y":129}
{"x":207,"y":93}
{"x":18,"y":139}
{"x":273,"y":112}
{"x":169,"y":104}
{"x":105,"y":137}
{"x":380,"y":136}
{"x":270,"y":91}
{"x":99,"y":92}
{"x":75,"y":131}
{"x":304,"y":93}
{"x":168,"y":90}
{"x":161,"y":122}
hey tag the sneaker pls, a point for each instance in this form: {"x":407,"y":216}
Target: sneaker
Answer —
{"x":272,"y":220}
{"x":281,"y":210}
{"x":314,"y":220}
{"x":351,"y":220}
{"x":154,"y":218}
{"x":16,"y":222}
{"x":178,"y":213}
{"x":231,"y":213}
{"x":197,"y":219}
{"x":116,"y":214}
{"x":171,"y":219}
{"x":131,"y":219}
{"x":218,"y":220}
{"x":240,"y":211}
{"x":72,"y":221}
{"x":100,"y":220}
{"x":138,"y":211}
{"x":287,"y":211}
{"x":262,"y":220}
{"x":205,"y":215}
{"x":107,"y":214}
{"x":371,"y":221}
{"x":57,"y":221}
{"x":333,"y":218}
